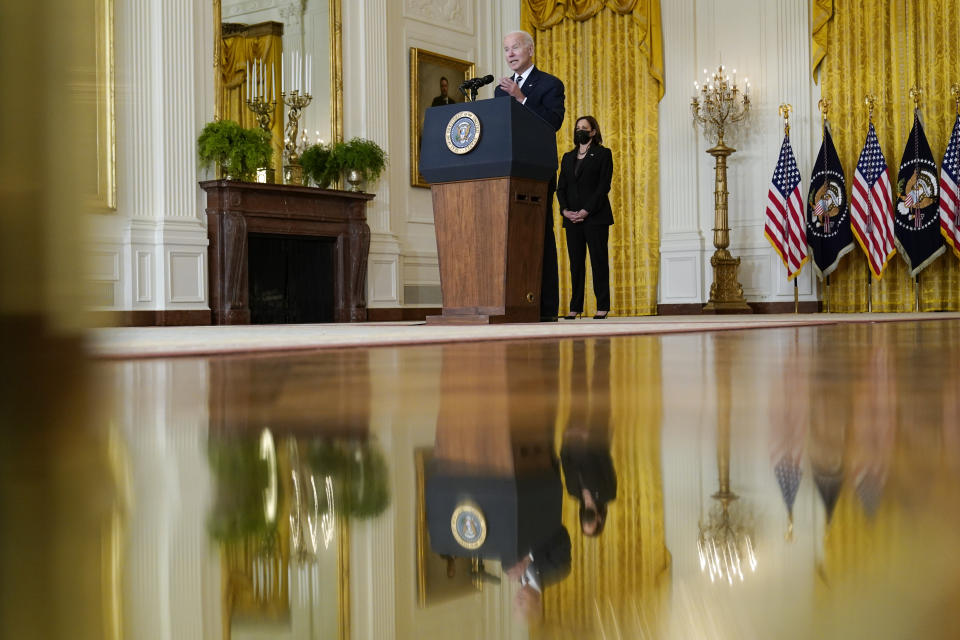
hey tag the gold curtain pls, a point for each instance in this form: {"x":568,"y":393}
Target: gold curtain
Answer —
{"x":618,"y":580}
{"x":885,"y":47}
{"x":609,"y":55}
{"x":237,"y":51}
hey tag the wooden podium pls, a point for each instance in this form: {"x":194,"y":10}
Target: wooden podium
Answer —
{"x":489,"y":204}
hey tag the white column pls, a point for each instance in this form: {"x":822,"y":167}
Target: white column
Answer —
{"x":164,"y":82}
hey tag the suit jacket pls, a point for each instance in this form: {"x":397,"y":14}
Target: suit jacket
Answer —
{"x":440,"y":101}
{"x":545,"y":96}
{"x":551,"y":561}
{"x":588,"y":187}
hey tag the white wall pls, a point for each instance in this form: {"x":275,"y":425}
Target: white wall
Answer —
{"x":151,"y":254}
{"x":768,"y":42}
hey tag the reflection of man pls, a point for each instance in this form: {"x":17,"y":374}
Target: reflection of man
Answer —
{"x":543,"y":94}
{"x":547,"y":564}
{"x":443,"y":98}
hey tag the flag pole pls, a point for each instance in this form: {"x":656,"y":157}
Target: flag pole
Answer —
{"x":784,"y":112}
{"x":824,"y":105}
{"x":826,"y":296}
{"x":870,"y":101}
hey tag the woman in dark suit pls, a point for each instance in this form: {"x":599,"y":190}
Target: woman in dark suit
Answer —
{"x":582,"y":192}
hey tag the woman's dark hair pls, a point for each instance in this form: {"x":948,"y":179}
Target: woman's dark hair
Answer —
{"x":598,"y":515}
{"x":597,"y":139}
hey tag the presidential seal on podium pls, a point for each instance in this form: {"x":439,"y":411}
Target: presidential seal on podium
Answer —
{"x":463,"y":132}
{"x":468,"y":525}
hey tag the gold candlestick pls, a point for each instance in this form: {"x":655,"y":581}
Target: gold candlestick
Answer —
{"x":263,"y":110}
{"x":717,"y":106}
{"x":292,"y":171}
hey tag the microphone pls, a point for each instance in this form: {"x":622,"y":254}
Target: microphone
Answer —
{"x":476,"y":83}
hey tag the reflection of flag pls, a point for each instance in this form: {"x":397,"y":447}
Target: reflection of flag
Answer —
{"x":828,"y":486}
{"x":828,"y":228}
{"x":871,"y":208}
{"x":875,"y":414}
{"x":788,"y":477}
{"x":949,"y":196}
{"x":784,"y":227}
{"x":916,"y":223}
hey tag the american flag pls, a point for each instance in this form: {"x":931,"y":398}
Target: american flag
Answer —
{"x":949,"y":198}
{"x":871,"y":205}
{"x":785,"y":227}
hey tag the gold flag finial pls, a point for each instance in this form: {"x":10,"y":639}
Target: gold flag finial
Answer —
{"x":916,"y":94}
{"x":824,"y":106}
{"x":870,"y":101}
{"x":784,"y":112}
{"x":955,"y":92}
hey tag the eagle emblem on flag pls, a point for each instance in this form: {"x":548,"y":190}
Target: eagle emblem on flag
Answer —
{"x":826,"y":204}
{"x":916,"y":193}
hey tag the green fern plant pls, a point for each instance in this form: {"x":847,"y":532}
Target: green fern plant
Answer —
{"x":317,"y":164}
{"x":364,"y":156}
{"x":239,"y":151}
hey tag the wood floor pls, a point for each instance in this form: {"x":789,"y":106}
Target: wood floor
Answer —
{"x":769,"y":483}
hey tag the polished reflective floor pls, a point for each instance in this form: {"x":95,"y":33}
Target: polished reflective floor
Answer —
{"x":772,"y":483}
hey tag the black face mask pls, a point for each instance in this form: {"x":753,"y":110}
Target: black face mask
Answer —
{"x":581,"y":137}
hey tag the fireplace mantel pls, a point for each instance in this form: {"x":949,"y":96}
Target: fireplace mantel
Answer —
{"x":236,"y":209}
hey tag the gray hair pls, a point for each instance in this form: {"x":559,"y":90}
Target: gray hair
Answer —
{"x":525,"y":38}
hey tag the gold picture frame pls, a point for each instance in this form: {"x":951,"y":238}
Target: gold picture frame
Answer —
{"x":434,"y":582}
{"x":427,"y":70}
{"x":106,"y":119}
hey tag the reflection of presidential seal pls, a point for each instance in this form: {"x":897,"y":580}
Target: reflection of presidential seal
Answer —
{"x":463,"y":132}
{"x":468,"y":525}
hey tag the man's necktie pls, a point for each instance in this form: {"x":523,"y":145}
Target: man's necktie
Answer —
{"x":518,"y":79}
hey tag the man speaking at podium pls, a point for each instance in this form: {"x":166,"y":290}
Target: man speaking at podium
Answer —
{"x":543,"y":94}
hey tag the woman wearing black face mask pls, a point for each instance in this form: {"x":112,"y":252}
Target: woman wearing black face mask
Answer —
{"x":582,"y":192}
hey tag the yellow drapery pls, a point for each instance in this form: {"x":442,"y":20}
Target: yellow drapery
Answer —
{"x":619,"y":579}
{"x":237,"y":51}
{"x":885,"y":47}
{"x":609,"y":55}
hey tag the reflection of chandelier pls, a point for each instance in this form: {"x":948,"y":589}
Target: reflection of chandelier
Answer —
{"x":310,"y":524}
{"x":724,"y":545}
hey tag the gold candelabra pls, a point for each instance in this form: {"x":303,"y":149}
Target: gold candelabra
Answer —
{"x":717,"y":106}
{"x":261,"y":101}
{"x":263,"y":110}
{"x":292,"y":171}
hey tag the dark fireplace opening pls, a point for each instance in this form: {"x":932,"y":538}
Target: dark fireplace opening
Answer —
{"x":291,"y":278}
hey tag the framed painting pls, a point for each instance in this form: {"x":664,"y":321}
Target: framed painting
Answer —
{"x":434,"y":80}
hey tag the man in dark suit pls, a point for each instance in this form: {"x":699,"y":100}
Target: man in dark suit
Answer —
{"x":543,"y":94}
{"x":443,"y":98}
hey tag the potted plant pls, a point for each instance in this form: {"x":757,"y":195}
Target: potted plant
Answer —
{"x":319,"y":164}
{"x":363,"y":160}
{"x":239,"y":151}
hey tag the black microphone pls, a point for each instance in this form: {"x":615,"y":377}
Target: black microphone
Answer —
{"x":476,"y":83}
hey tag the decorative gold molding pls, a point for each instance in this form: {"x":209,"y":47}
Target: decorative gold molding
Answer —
{"x":336,"y":71}
{"x":106,"y":199}
{"x":343,"y":573}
